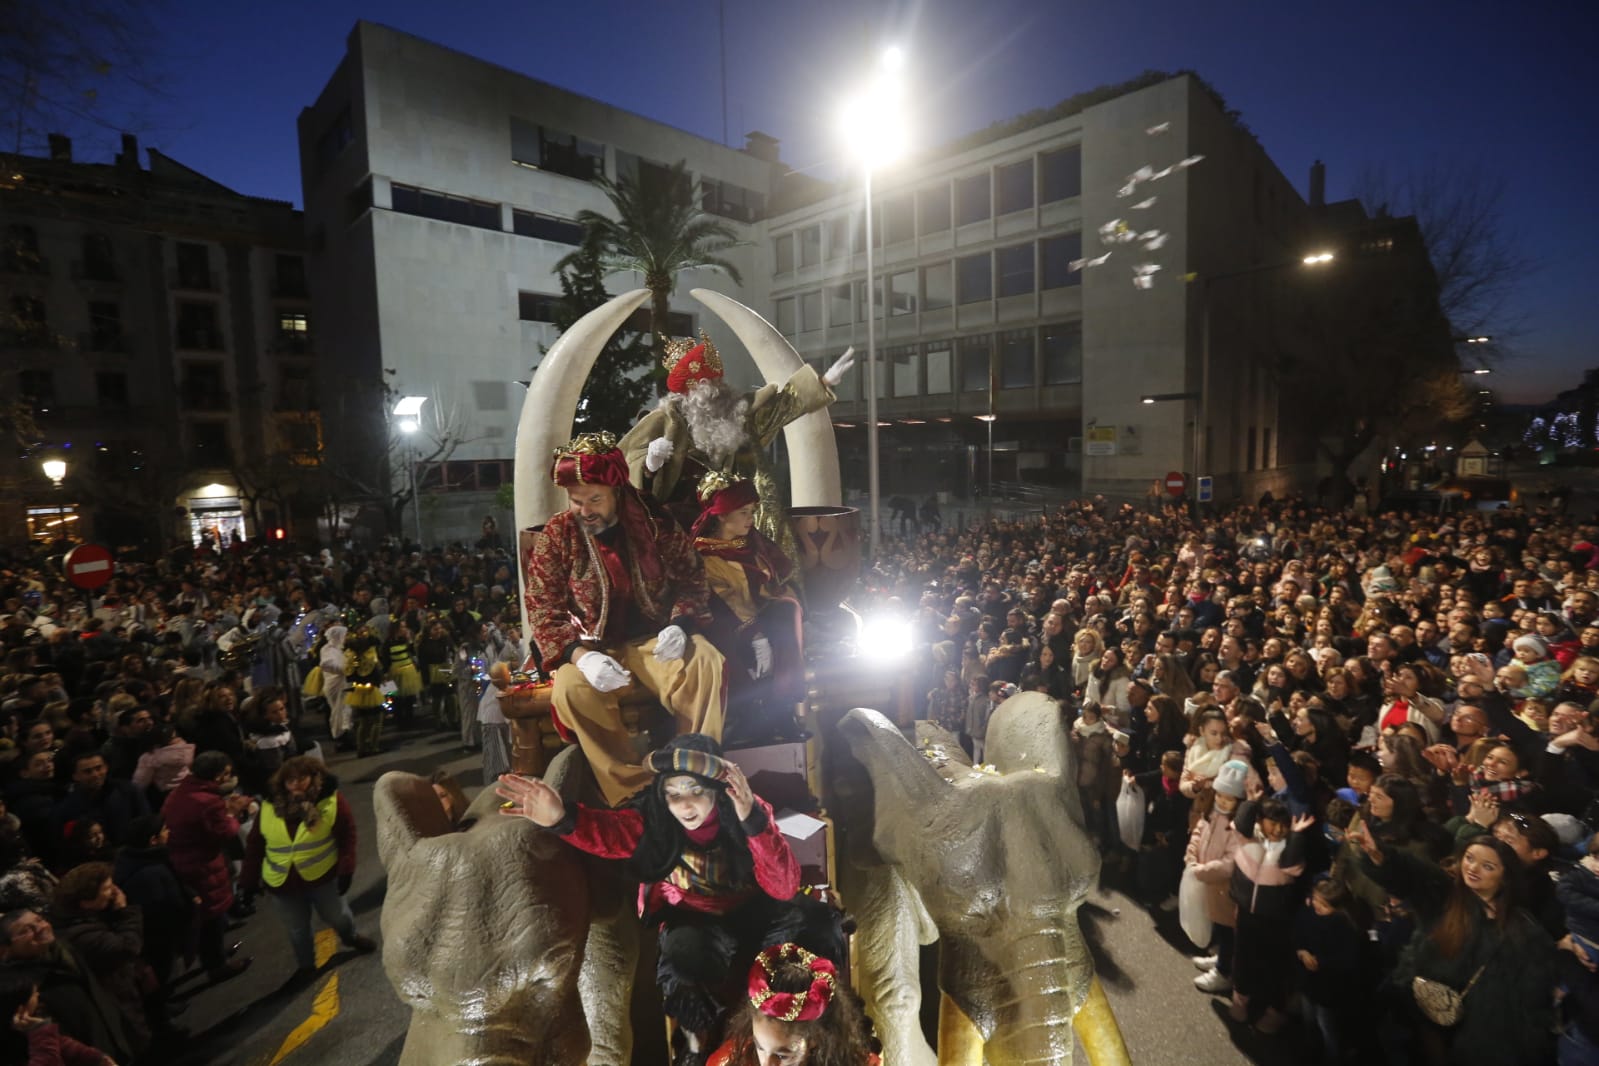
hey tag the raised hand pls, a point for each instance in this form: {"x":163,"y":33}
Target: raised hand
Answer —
{"x":1303,"y":822}
{"x":836,"y":372}
{"x":738,"y":789}
{"x":659,"y":451}
{"x":530,"y":798}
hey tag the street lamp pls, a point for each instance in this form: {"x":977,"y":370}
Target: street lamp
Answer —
{"x":874,"y":134}
{"x":408,"y":409}
{"x":55,"y":470}
{"x":990,"y":418}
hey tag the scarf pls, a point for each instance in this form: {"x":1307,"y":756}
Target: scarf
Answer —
{"x":1083,"y":729}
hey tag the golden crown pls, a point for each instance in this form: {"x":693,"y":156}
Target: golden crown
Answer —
{"x":677,"y":347}
{"x":712,"y":483}
{"x":588,"y":444}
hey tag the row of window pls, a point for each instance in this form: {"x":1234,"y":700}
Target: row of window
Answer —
{"x":197,"y":327}
{"x":483,"y":214}
{"x":202,"y":388}
{"x":19,"y":254}
{"x":1014,"y":270}
{"x":545,"y":308}
{"x":1008,"y":359}
{"x":899,"y":218}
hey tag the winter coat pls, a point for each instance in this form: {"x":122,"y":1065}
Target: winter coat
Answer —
{"x":344,"y":839}
{"x":1337,"y":944}
{"x":1508,"y":1016}
{"x":1260,"y":887}
{"x":220,"y":731}
{"x":1347,"y":869}
{"x":1578,"y":893}
{"x":149,"y":880}
{"x":115,"y":807}
{"x":110,"y":944}
{"x":1164,"y":812}
{"x":162,"y":768}
{"x":74,"y":998}
{"x":34,"y":804}
{"x":48,"y":1046}
{"x":200,"y":828}
{"x":978,"y":711}
{"x":1210,"y":854}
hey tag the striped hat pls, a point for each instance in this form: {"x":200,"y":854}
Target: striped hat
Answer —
{"x":691,"y":753}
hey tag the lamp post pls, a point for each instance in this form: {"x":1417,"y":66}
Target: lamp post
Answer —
{"x":408,"y":409}
{"x":873,"y":133}
{"x":988,"y":488}
{"x":55,"y":470}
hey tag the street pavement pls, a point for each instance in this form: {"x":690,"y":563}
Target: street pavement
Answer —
{"x":350,"y":1016}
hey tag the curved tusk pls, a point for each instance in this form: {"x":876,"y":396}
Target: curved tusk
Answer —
{"x":552,"y":396}
{"x":1096,"y":1027}
{"x":812,"y":450}
{"x":959,"y":1042}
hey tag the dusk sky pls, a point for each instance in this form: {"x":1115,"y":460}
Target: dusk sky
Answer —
{"x":1505,"y":89}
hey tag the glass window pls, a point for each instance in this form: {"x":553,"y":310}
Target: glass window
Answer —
{"x":938,"y":289}
{"x":899,"y":219}
{"x":1056,"y":255}
{"x":971,"y":199}
{"x":902,"y":293}
{"x":546,"y":228}
{"x":840,"y":305}
{"x":932,"y":206}
{"x":974,"y":281}
{"x":727,"y":200}
{"x":939,"y":359}
{"x":850,"y":387}
{"x":1060,"y":174}
{"x":860,"y":300}
{"x":1014,"y":265}
{"x":906,"y":363}
{"x":441,"y":207}
{"x":1062,"y":345}
{"x":785,"y":317}
{"x":810,"y":240}
{"x":1016,"y":364}
{"x":1013,"y":187}
{"x":975,"y":367}
{"x":111,"y":388}
{"x":810,"y":310}
{"x":783,"y":254}
{"x":536,"y":307}
{"x":99,"y":258}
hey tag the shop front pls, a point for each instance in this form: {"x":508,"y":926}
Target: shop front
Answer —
{"x":215,"y":516}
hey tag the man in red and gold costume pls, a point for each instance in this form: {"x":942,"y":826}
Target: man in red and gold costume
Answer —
{"x":755,"y":609}
{"x":616,"y":595}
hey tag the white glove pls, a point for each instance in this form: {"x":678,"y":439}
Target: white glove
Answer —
{"x":670,"y":644}
{"x":656,"y":455}
{"x":603,"y":672}
{"x":836,"y":372}
{"x":763,"y":657}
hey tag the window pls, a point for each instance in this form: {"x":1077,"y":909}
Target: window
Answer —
{"x":543,"y":148}
{"x":975,"y":367}
{"x":289,"y":276}
{"x":21,"y":252}
{"x":1014,"y":265}
{"x":899,"y":219}
{"x":491,"y":396}
{"x":905,"y":368}
{"x":38,"y":387}
{"x":194,"y":267}
{"x":727,"y":200}
{"x":1056,"y":255}
{"x":938,"y":287}
{"x":810,"y":246}
{"x":1062,"y":346}
{"x":1060,"y":174}
{"x":840,"y":305}
{"x":105,"y":327}
{"x":1013,"y":187}
{"x":442,"y":207}
{"x":1249,"y":451}
{"x":546,"y":228}
{"x":340,"y":132}
{"x":204,"y":386}
{"x":197,"y":327}
{"x":971,"y":199}
{"x":877,"y":300}
{"x":99,"y":259}
{"x":1266,"y":458}
{"x":939,"y":360}
{"x":902,"y":293}
{"x":536,"y":307}
{"x":974,"y":281}
{"x":294,"y":332}
{"x":786,"y":323}
{"x":30,"y":322}
{"x":111,"y":388}
{"x":783,"y":254}
{"x":1017,"y":368}
{"x":932,"y":208}
{"x":845,"y":235}
{"x":654,"y":179}
{"x":810,"y":310}
{"x":210,"y":444}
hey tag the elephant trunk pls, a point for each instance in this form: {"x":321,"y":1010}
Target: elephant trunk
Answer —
{"x":1047,"y":976}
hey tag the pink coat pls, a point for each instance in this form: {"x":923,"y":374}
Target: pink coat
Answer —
{"x":164,"y":767}
{"x":1211,"y":849}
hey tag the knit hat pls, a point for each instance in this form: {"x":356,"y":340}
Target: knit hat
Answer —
{"x":1231,"y":777}
{"x":690,"y":753}
{"x":1532,"y":642}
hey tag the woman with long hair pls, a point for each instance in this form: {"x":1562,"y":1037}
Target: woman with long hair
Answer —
{"x":1087,"y":647}
{"x":799,"y":1013}
{"x":1109,"y":681}
{"x":1473,"y":940}
{"x":1171,"y":679}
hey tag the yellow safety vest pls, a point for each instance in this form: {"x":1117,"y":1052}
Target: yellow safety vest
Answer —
{"x":312,"y":852}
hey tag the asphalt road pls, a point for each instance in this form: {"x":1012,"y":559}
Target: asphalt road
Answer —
{"x":351,"y":1017}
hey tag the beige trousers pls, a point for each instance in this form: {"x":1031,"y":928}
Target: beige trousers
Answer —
{"x":689,"y":688}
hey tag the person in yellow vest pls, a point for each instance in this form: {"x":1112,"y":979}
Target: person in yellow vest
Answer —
{"x":302,"y":849}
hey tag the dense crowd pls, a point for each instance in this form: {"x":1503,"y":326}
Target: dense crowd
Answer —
{"x":1354,"y":754}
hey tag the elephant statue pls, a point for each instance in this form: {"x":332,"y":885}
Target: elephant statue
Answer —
{"x":510,"y":948}
{"x":993,"y":862}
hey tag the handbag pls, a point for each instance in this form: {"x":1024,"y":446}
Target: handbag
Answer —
{"x":1130,"y":815}
{"x":1441,"y":1004}
{"x":1193,"y":910}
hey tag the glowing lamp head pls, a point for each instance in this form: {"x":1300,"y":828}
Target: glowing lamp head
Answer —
{"x":54,"y":469}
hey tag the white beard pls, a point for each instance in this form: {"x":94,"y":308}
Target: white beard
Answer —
{"x":715,"y":415}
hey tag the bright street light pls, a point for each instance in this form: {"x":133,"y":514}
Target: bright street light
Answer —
{"x":408,"y":425}
{"x":1482,"y":370}
{"x":409,"y":406}
{"x":1317,"y":258}
{"x":55,"y":470}
{"x":1476,"y":340}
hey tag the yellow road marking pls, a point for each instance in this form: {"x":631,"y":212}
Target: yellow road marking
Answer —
{"x":323,"y":1009}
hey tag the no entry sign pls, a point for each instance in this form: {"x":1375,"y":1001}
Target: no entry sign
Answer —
{"x":1176,"y":483}
{"x":89,"y":566}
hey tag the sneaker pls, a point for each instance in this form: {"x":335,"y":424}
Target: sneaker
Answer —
{"x":1214,"y":983}
{"x":1204,"y":963}
{"x":229,"y":970}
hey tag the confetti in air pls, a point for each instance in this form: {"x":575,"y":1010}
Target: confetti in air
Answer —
{"x":1158,"y":129}
{"x":1118,"y":231}
{"x":1154,"y":242}
{"x":1145,"y":205}
{"x":1083,"y":264}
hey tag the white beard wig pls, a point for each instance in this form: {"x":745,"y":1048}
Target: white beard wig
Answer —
{"x":716,"y":418}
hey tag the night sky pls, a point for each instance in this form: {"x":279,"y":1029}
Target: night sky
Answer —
{"x":1504,"y":88}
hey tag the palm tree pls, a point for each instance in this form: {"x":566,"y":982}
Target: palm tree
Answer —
{"x":659,"y":231}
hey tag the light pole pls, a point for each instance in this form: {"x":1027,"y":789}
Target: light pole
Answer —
{"x":873,"y":133}
{"x":408,"y":410}
{"x":988,"y":488}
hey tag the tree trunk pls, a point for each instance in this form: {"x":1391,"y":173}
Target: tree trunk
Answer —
{"x":660,"y":286}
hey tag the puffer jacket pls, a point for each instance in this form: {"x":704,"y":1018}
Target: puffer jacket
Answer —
{"x":1211,"y":851}
{"x":200,"y":828}
{"x":1259,"y":887}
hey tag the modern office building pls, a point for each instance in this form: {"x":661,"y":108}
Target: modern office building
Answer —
{"x":156,"y":331}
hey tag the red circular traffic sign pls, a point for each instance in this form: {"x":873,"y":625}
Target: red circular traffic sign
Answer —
{"x":89,"y":566}
{"x":1176,"y":483}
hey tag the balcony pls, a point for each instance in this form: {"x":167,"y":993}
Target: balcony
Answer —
{"x":201,"y":340}
{"x":99,"y":272}
{"x":195,"y":281}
